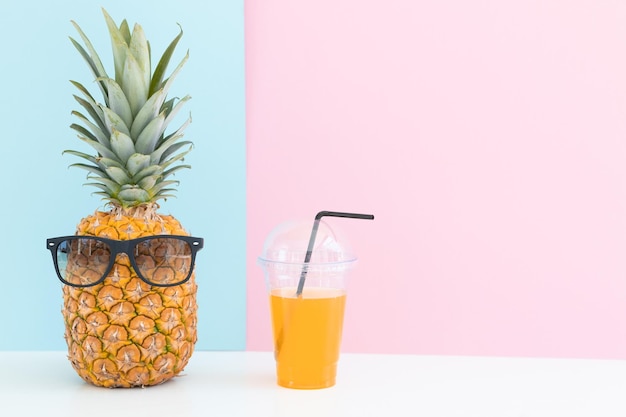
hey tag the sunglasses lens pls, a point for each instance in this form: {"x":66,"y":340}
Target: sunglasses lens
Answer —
{"x":164,"y":260}
{"x":83,"y":260}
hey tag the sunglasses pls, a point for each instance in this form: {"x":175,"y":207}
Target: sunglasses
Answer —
{"x":163,"y":260}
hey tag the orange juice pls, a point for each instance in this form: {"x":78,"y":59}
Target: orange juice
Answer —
{"x":307,"y":335}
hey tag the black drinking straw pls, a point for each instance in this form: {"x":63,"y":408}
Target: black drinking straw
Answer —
{"x":316,"y":223}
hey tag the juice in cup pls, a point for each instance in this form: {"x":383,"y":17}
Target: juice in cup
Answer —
{"x":306,"y":265}
{"x":307,"y":335}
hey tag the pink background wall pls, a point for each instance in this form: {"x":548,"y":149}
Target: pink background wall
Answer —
{"x":489,"y":139}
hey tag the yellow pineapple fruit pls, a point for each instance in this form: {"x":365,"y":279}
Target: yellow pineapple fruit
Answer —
{"x":129,"y":308}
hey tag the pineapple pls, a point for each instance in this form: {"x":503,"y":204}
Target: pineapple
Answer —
{"x":124,"y":332}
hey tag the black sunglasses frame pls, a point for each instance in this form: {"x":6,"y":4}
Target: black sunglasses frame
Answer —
{"x":126,"y":247}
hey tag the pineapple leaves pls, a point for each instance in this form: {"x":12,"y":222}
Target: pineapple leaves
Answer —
{"x":136,"y":163}
{"x":133,"y":195}
{"x":148,"y":112}
{"x":139,"y":49}
{"x":114,"y":122}
{"x":110,"y":187}
{"x":165,"y":162}
{"x":175,"y":109}
{"x":174,"y":170}
{"x":101,"y":149}
{"x":148,"y":138}
{"x":156,"y":157}
{"x":152,"y":106}
{"x":159,"y":72}
{"x":133,"y":84}
{"x":152,"y":134}
{"x":170,"y":80}
{"x":119,"y":44}
{"x":99,"y":170}
{"x":99,"y":164}
{"x":90,"y":168}
{"x":84,"y":91}
{"x":118,"y":175}
{"x":146,"y":172}
{"x":92,"y":58}
{"x":122,"y":145}
{"x":94,"y":111}
{"x":131,"y":58}
{"x":94,"y":132}
{"x":106,"y":162}
{"x":178,"y":134}
{"x":159,"y":188}
{"x":118,"y":102}
{"x":125,"y":31}
{"x":148,"y":183}
{"x":83,"y":155}
{"x":168,"y":106}
{"x":133,"y":157}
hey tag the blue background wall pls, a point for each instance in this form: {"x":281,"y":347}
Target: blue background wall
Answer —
{"x":42,"y":198}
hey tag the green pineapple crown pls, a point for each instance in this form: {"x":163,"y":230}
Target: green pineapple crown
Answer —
{"x":134,"y":157}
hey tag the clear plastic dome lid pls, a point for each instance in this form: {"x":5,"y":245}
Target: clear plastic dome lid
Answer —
{"x":289,"y":241}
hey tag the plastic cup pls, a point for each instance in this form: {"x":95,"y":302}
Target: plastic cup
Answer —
{"x":307,"y":326}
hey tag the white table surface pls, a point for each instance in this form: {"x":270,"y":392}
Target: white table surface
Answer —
{"x":243,"y":384}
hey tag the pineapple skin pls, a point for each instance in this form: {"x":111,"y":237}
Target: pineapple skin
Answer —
{"x":124,"y":332}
